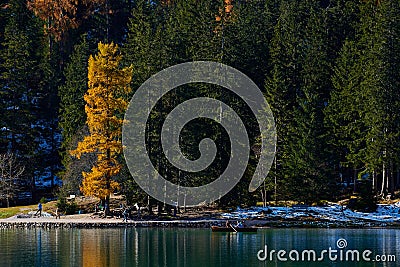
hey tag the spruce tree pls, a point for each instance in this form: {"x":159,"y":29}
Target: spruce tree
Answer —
{"x":282,"y":87}
{"x":20,"y":85}
{"x":144,"y":51}
{"x":310,"y":162}
{"x":72,"y":112}
{"x":344,"y":113}
{"x":362,"y":109}
{"x":298,"y":89}
{"x":380,"y":83}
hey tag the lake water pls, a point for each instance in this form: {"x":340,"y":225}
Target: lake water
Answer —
{"x":196,"y":247}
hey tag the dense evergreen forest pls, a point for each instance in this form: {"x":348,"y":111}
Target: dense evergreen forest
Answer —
{"x":330,"y":70}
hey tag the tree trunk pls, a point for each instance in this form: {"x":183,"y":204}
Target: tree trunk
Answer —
{"x":391,"y":182}
{"x":355,"y":181}
{"x":262,"y":198}
{"x":383,"y":187}
{"x":159,"y":207}
{"x":108,"y":22}
{"x":265,"y":196}
{"x":149,"y":205}
{"x":374,"y":182}
{"x":275,"y":179}
{"x":107,"y":206}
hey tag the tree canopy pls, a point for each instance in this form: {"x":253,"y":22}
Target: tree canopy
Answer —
{"x":329,"y":70}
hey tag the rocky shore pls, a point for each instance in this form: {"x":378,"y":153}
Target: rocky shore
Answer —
{"x":329,"y":216}
{"x":52,"y":223}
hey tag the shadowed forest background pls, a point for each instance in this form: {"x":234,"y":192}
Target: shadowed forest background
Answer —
{"x":329,"y":69}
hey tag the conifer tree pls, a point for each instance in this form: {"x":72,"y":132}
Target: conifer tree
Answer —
{"x":62,"y":15}
{"x":380,"y":82}
{"x":282,"y":86}
{"x":108,"y":84}
{"x":72,"y":109}
{"x":310,"y":162}
{"x":146,"y":52}
{"x":362,"y":109}
{"x":59,"y":15}
{"x":248,"y":37}
{"x":20,"y":77}
{"x":16,"y":91}
{"x":139,"y":49}
{"x":345,"y":112}
{"x":298,"y":90}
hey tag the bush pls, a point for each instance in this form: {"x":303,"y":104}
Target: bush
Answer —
{"x":66,"y":207}
{"x":322,"y":202}
{"x":365,"y":199}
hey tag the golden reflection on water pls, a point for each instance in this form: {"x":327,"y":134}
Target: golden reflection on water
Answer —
{"x":174,"y":247}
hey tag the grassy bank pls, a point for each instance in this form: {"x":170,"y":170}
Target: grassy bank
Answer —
{"x":9,"y":212}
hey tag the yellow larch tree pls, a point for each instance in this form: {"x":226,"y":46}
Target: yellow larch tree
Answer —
{"x":108,"y":83}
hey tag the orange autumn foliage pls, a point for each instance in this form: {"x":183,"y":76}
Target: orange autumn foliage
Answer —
{"x":225,"y":12}
{"x":166,"y":2}
{"x":225,"y":15}
{"x":60,"y":15}
{"x":107,"y":83}
{"x":228,"y":6}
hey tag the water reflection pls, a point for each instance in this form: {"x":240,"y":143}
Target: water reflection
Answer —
{"x":180,"y":247}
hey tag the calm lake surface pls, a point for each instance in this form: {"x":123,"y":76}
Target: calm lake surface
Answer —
{"x":192,"y":247}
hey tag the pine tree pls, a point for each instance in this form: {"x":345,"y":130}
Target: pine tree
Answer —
{"x":343,"y":105}
{"x":139,"y":50}
{"x":380,"y":81}
{"x":365,"y":99}
{"x":310,"y":162}
{"x":47,"y":119}
{"x":20,"y":77}
{"x":298,"y":90}
{"x":108,"y":84}
{"x":144,"y":50}
{"x":345,"y":112}
{"x":248,"y":37}
{"x":282,"y":87}
{"x":72,"y":108}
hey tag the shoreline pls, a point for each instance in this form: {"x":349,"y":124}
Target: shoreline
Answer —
{"x":108,"y":224}
{"x":86,"y":222}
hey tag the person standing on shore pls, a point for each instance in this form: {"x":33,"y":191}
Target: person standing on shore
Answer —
{"x":125,"y":214}
{"x":57,"y":213}
{"x":39,"y":210}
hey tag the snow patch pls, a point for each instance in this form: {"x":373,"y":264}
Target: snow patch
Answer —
{"x":332,"y":212}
